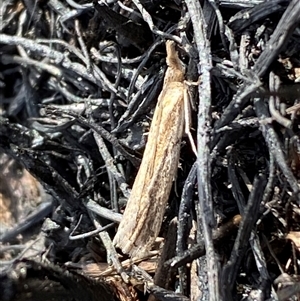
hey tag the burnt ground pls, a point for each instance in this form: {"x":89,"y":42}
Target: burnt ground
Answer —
{"x":79,"y":82}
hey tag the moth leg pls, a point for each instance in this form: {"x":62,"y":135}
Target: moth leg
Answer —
{"x":188,"y":84}
{"x":187,"y":121}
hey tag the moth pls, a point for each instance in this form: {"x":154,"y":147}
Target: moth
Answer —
{"x":143,"y":215}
